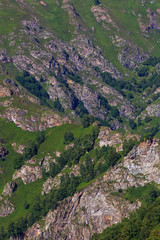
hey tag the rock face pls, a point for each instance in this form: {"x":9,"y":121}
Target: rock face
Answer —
{"x":97,"y":207}
{"x":28,"y":174}
{"x":5,"y":92}
{"x":111,"y":138}
{"x":131,"y":56}
{"x":6,"y":208}
{"x":35,"y":122}
{"x":82,"y":215}
{"x":145,"y":159}
{"x":154,"y":109}
{"x":51,"y":183}
{"x":9,"y":189}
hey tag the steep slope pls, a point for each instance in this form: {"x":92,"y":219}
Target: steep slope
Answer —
{"x":79,"y":114}
{"x":68,"y":45}
{"x":101,"y":204}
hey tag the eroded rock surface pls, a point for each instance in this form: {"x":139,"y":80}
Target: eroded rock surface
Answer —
{"x":6,"y":208}
{"x":96,"y":207}
{"x":28,"y":174}
{"x":9,"y":189}
{"x":35,"y":122}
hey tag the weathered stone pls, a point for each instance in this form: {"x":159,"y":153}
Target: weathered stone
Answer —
{"x":9,"y":188}
{"x":96,"y":208}
{"x":28,"y":174}
{"x":6,"y":208}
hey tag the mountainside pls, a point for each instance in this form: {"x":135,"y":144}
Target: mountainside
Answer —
{"x":79,"y":116}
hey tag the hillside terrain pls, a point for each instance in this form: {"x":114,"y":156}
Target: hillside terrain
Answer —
{"x":79,"y":119}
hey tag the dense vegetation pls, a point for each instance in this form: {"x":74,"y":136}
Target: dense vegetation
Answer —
{"x":33,"y":86}
{"x":152,"y":61}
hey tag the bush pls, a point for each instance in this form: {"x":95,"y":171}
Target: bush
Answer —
{"x":147,"y":119}
{"x":68,"y":137}
{"x":132,"y":124}
{"x":26,"y":205}
{"x":85,"y":121}
{"x":40,"y":137}
{"x":143,"y":72}
{"x":152,"y":61}
{"x":18,"y":162}
{"x":57,"y":105}
{"x":33,"y":86}
{"x":128,"y":145}
{"x":96,"y":2}
{"x":114,"y":112}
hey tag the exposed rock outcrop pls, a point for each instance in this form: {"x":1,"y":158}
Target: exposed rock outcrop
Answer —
{"x":9,"y":189}
{"x":96,"y":207}
{"x":111,"y":138}
{"x":5,"y":92}
{"x":153,"y":110}
{"x":131,"y":55}
{"x":6,"y":208}
{"x":37,"y":121}
{"x":28,"y":174}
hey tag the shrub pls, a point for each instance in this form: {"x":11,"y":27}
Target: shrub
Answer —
{"x":68,"y":137}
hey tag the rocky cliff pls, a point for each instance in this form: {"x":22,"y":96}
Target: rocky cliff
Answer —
{"x":67,"y":62}
{"x":78,"y":55}
{"x":99,"y":205}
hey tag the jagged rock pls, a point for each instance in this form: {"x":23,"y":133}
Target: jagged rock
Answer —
{"x":111,"y":138}
{"x":4,"y":56}
{"x":93,"y":55}
{"x":90,"y":99}
{"x":6,"y":208}
{"x":51,"y":183}
{"x":116,"y":99}
{"x":9,"y":189}
{"x":96,"y":208}
{"x":144,"y":159}
{"x":153,"y":110}
{"x":153,"y":17}
{"x":3,"y":152}
{"x":131,"y":55}
{"x":5,"y":92}
{"x":46,"y":162}
{"x":115,"y":124}
{"x":152,"y":23}
{"x":82,"y":215}
{"x":35,"y":122}
{"x":28,"y":174}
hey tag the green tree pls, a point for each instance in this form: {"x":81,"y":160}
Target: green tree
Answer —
{"x":26,"y":205}
{"x":96,"y":2}
{"x":18,"y":162}
{"x":2,"y":233}
{"x":132,"y":124}
{"x":85,"y":121}
{"x":40,"y":137}
{"x":58,"y":106}
{"x":68,"y":137}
